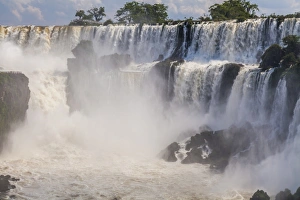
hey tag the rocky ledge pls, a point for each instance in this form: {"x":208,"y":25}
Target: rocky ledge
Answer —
{"x":14,"y":98}
{"x":215,"y":148}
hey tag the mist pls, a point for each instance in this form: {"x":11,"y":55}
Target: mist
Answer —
{"x":123,"y":121}
{"x":109,"y":145}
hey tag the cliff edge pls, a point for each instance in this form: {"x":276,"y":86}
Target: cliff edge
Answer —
{"x":14,"y":98}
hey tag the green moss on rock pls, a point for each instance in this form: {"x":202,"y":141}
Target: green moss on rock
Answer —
{"x":272,"y":57}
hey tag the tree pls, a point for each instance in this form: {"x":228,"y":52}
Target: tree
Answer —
{"x":80,"y":14}
{"x":97,"y":13}
{"x":107,"y":22}
{"x":135,"y":12}
{"x":292,"y":44}
{"x":233,"y":9}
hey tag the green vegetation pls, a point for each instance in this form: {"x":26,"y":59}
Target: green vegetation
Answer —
{"x":260,"y":195}
{"x":233,"y":9}
{"x":140,"y":12}
{"x":94,"y":16}
{"x":271,"y":57}
{"x":135,"y":12}
{"x":107,"y":22}
{"x":286,"y":57}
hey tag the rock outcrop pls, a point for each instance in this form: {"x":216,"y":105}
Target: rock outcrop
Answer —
{"x":215,"y":148}
{"x":5,"y":185}
{"x":14,"y":98}
{"x":162,"y":76}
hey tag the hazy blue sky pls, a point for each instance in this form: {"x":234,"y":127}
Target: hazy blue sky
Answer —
{"x":61,"y":12}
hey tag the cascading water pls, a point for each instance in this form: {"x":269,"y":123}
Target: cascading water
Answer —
{"x":108,"y":152}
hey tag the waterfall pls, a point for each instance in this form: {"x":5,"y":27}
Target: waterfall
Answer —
{"x":279,"y":110}
{"x":236,"y":42}
{"x":211,"y":79}
{"x":294,"y":125}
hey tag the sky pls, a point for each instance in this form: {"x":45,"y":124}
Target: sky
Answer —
{"x":61,"y":12}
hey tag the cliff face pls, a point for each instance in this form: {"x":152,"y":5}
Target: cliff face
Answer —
{"x":14,"y":98}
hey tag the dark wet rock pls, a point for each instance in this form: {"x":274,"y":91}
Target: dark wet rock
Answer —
{"x":216,"y":148}
{"x":5,"y":184}
{"x":162,"y":77}
{"x":14,"y":98}
{"x":84,"y":50}
{"x":260,"y":195}
{"x":183,"y":42}
{"x":169,"y":154}
{"x":271,"y":57}
{"x":229,"y":74}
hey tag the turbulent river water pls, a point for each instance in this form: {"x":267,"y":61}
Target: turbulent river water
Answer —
{"x":111,"y":151}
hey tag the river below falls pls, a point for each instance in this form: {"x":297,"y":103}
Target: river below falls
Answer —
{"x":65,"y":171}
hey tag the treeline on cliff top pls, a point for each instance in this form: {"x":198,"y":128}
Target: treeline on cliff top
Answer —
{"x":140,"y":13}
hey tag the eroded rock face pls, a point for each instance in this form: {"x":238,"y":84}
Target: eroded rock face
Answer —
{"x":169,"y":154}
{"x":14,"y":98}
{"x":215,"y":148}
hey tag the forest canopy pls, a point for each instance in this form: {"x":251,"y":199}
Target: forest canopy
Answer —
{"x":233,"y":9}
{"x":135,"y":12}
{"x":141,"y":12}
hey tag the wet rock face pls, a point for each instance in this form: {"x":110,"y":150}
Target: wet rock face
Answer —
{"x":169,"y":154}
{"x":14,"y":98}
{"x":5,"y":184}
{"x":162,"y":76}
{"x":215,"y":148}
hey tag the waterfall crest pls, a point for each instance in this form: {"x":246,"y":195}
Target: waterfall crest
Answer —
{"x":236,"y":42}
